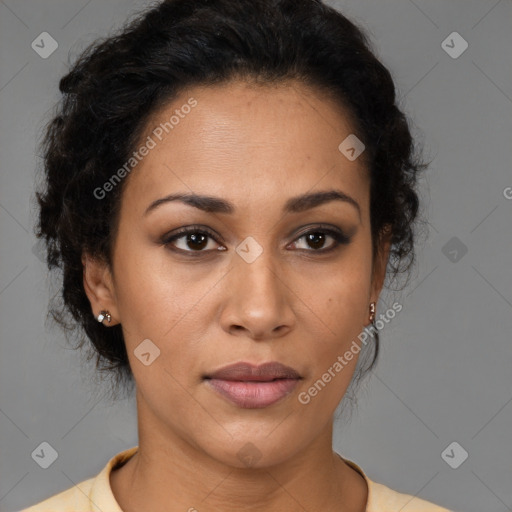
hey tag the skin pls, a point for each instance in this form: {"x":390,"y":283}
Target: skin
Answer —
{"x":255,"y":146}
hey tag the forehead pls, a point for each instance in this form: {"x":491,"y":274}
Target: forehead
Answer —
{"x":248,"y":143}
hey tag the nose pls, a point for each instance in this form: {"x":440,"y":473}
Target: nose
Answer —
{"x":258,"y":303}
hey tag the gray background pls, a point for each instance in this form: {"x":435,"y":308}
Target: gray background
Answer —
{"x":444,"y":373}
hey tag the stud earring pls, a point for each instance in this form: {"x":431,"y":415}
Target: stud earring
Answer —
{"x":372,"y":312}
{"x":104,"y":314}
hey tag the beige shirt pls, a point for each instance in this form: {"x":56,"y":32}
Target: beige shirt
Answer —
{"x":95,"y":494}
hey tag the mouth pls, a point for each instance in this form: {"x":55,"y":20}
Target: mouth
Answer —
{"x":253,"y":387}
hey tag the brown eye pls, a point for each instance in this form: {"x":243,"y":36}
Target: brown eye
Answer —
{"x":194,"y":240}
{"x":316,"y":239}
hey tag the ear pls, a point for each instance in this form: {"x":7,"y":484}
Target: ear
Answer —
{"x":380,"y":263}
{"x":99,"y":287}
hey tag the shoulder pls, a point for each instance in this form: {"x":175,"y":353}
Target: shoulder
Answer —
{"x":381,"y":497}
{"x":92,"y":494}
{"x":384,"y":498}
{"x":75,"y":498}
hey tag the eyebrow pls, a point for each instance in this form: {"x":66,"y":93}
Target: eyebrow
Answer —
{"x":296,"y":204}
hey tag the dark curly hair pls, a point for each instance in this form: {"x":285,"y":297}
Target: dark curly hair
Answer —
{"x":117,"y":83}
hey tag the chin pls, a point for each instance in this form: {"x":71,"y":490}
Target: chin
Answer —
{"x":260,"y":450}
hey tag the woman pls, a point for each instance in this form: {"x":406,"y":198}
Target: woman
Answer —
{"x":228,"y":185}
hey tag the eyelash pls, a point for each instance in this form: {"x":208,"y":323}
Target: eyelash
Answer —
{"x":339,"y":238}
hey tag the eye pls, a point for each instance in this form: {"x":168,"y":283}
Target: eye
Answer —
{"x":196,"y":239}
{"x":317,"y":237}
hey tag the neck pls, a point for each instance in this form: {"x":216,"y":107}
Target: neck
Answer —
{"x":170,"y":474}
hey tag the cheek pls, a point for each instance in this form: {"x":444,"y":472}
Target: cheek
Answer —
{"x":160,"y":302}
{"x":339,"y":301}
{"x":333,"y":356}
{"x":152,"y":294}
{"x":340,"y":296}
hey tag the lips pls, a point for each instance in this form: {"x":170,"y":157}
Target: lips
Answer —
{"x":249,"y":372}
{"x":253,"y":387}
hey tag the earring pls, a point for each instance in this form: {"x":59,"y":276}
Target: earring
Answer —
{"x":104,"y":314}
{"x":372,"y":312}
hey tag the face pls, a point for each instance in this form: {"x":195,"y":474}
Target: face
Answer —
{"x":260,"y":277}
